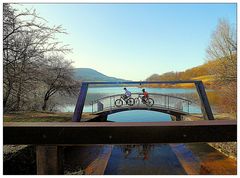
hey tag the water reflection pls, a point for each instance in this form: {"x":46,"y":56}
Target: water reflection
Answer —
{"x":139,"y":116}
{"x":141,"y":151}
{"x":143,"y":159}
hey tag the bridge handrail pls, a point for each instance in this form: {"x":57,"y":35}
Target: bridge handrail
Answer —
{"x":95,"y":101}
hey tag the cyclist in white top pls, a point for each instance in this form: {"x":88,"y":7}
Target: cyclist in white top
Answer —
{"x":127,"y":93}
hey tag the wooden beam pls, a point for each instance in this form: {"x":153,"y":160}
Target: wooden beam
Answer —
{"x":119,"y":133}
{"x":49,"y":160}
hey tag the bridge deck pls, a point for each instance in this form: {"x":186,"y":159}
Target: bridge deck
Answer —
{"x":171,"y":111}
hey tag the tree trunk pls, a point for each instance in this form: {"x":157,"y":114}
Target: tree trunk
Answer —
{"x":20,"y":88}
{"x":5,"y":98}
{"x":44,"y":107}
{"x":19,"y":93}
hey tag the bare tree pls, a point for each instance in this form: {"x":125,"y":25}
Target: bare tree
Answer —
{"x":58,"y":78}
{"x":27,"y":40}
{"x":223,"y":47}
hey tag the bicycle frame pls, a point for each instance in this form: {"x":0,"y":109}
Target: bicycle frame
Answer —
{"x":124,"y":99}
{"x":140,"y":98}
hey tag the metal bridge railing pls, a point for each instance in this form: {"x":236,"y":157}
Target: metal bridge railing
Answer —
{"x":160,"y":101}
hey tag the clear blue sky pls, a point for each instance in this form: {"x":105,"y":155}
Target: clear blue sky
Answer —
{"x":133,"y":41}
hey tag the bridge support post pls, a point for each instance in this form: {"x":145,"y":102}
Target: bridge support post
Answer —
{"x":205,"y":106}
{"x":178,"y":117}
{"x":49,"y":160}
{"x":80,"y":103}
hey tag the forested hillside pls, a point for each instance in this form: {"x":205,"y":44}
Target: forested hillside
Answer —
{"x":202,"y":72}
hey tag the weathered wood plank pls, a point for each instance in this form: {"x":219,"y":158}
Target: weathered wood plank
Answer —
{"x":119,"y":133}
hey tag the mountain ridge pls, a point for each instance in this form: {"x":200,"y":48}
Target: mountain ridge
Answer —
{"x":89,"y":74}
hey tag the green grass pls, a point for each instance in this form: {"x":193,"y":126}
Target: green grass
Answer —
{"x":37,"y":117}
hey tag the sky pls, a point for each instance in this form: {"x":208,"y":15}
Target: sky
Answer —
{"x":134,"y":41}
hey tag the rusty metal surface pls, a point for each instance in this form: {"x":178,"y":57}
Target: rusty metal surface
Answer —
{"x":119,"y":133}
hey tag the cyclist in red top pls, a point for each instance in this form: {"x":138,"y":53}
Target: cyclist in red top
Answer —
{"x":145,"y":95}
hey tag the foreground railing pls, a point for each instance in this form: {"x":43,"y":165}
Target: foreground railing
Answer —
{"x":117,"y":133}
{"x":50,"y":138}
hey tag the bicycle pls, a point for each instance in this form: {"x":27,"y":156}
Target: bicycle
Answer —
{"x":129,"y":101}
{"x":147,"y":101}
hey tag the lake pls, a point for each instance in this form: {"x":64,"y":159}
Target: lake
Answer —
{"x":136,"y":115}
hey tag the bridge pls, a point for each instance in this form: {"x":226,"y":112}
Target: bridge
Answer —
{"x":171,"y":105}
{"x":168,"y":104}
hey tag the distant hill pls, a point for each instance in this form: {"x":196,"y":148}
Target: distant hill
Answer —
{"x":201,"y":72}
{"x":88,"y":74}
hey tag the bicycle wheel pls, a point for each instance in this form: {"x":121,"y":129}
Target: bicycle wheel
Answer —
{"x":118,"y":103}
{"x":136,"y":100}
{"x":150,"y":102}
{"x":130,"y":101}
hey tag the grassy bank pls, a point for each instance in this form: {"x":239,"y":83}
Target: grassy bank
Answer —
{"x":37,"y":117}
{"x":44,"y":116}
